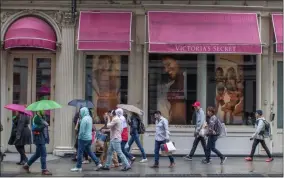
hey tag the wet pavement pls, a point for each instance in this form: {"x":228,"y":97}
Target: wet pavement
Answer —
{"x":233,"y":167}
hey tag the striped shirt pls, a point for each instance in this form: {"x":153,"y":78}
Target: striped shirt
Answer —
{"x":162,"y":129}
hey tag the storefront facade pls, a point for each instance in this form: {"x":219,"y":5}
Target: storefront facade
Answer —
{"x":145,"y":56}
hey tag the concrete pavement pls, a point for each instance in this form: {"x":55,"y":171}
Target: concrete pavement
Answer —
{"x":234,"y":167}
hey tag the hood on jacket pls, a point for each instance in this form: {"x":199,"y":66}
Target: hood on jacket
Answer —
{"x":84,"y":112}
{"x":119,"y":112}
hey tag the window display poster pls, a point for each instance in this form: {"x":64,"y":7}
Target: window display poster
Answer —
{"x":229,"y":88}
{"x":170,"y":79}
{"x":103,"y":84}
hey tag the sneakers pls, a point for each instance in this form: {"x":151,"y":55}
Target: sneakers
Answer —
{"x":126,"y":168}
{"x":223,"y":160}
{"x":172,"y":165}
{"x":75,"y":169}
{"x":205,"y":161}
{"x":248,"y":158}
{"x":26,"y":168}
{"x":187,"y":157}
{"x":132,"y":160}
{"x":155,"y":166}
{"x":46,"y":173}
{"x":269,"y":160}
{"x":86,"y":162}
{"x":144,"y":160}
{"x":104,"y":168}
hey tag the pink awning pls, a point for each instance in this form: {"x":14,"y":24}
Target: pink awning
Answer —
{"x":203,"y":32}
{"x":30,"y":32}
{"x":105,"y":31}
{"x":277,"y":20}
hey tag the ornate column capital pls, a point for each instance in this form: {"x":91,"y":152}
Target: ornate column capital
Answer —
{"x":67,"y":20}
{"x":2,"y":45}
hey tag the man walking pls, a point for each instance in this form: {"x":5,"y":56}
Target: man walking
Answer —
{"x":200,"y":121}
{"x":115,"y":127}
{"x":161,"y":137}
{"x":258,"y":137}
{"x":85,"y":140}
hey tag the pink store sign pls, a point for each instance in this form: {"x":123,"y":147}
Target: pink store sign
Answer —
{"x":277,"y":20}
{"x":202,"y":32}
{"x":105,"y":31}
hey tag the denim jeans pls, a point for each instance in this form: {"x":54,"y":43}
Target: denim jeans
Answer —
{"x":124,"y":151}
{"x":135,"y":138}
{"x":115,"y":145}
{"x":40,"y":152}
{"x":85,"y":145}
{"x":211,"y":143}
{"x":157,"y":152}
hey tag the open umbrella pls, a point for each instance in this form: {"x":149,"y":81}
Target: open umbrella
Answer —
{"x":43,"y":105}
{"x":18,"y":107}
{"x":131,"y":108}
{"x":81,"y":103}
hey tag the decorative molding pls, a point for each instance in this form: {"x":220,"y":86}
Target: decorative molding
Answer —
{"x":67,"y":20}
{"x":58,"y":45}
{"x":2,"y":45}
{"x":5,"y":15}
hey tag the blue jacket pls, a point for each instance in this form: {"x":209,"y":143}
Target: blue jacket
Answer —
{"x":40,"y":130}
{"x":86,"y":125}
{"x":134,"y":124}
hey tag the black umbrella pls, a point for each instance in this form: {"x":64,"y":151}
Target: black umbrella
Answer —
{"x":81,"y":103}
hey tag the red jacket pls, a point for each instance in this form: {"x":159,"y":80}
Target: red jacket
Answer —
{"x":124,"y":134}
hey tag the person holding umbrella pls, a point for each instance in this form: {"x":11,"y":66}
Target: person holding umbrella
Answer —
{"x":20,"y":134}
{"x":40,"y":133}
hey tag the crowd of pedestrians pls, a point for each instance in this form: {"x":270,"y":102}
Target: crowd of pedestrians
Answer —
{"x":116,"y":147}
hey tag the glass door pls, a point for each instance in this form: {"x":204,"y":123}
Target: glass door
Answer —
{"x":31,"y":80}
{"x":43,"y":88}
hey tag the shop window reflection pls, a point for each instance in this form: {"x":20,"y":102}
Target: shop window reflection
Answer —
{"x":106,"y":83}
{"x":234,"y":83}
{"x":43,"y":79}
{"x":172,"y":87}
{"x":20,"y":80}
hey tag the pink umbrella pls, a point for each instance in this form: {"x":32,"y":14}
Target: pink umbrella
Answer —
{"x":18,"y":107}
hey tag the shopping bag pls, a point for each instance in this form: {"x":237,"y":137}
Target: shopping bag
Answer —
{"x":101,"y":137}
{"x":203,"y":132}
{"x":170,"y":146}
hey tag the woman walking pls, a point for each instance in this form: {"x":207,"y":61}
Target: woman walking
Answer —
{"x":40,"y":139}
{"x":134,"y":124}
{"x":21,"y":135}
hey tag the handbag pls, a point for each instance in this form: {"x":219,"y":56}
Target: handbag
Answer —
{"x":170,"y":146}
{"x":203,"y":130}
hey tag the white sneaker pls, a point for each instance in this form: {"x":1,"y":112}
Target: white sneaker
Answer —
{"x":86,"y":162}
{"x":75,"y":169}
{"x":144,"y":160}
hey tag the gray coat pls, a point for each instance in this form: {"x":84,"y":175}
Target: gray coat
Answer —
{"x":260,"y":126}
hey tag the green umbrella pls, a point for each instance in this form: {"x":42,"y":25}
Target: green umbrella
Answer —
{"x":43,"y":105}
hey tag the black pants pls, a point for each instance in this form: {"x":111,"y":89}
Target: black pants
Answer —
{"x":254,"y":145}
{"x":21,"y":150}
{"x":211,"y":143}
{"x":195,"y":143}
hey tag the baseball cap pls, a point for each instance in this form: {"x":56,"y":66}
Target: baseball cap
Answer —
{"x":259,"y":112}
{"x":196,"y":104}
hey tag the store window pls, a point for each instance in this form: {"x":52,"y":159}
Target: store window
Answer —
{"x":279,"y":94}
{"x":172,"y":84}
{"x":231,"y":87}
{"x":106,"y":83}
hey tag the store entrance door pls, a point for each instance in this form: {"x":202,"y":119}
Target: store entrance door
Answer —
{"x":32,"y":79}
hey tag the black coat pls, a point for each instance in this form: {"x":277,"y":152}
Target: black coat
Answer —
{"x":21,"y":133}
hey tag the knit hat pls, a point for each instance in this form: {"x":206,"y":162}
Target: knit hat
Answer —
{"x":259,"y":112}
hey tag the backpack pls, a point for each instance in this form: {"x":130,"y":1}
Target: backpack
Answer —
{"x":267,"y":129}
{"x":220,"y":128}
{"x":141,"y":127}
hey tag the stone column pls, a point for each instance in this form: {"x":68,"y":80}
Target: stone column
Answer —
{"x":64,"y":89}
{"x":3,"y":99}
{"x":202,"y":80}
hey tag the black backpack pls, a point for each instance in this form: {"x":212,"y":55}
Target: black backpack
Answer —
{"x":141,"y":127}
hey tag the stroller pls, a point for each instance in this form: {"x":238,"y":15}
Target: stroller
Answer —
{"x":2,"y":155}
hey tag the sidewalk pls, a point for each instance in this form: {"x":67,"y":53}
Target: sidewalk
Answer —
{"x":234,"y":167}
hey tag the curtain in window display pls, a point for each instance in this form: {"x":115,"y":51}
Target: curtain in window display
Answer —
{"x":103,"y":84}
{"x":229,"y":76}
